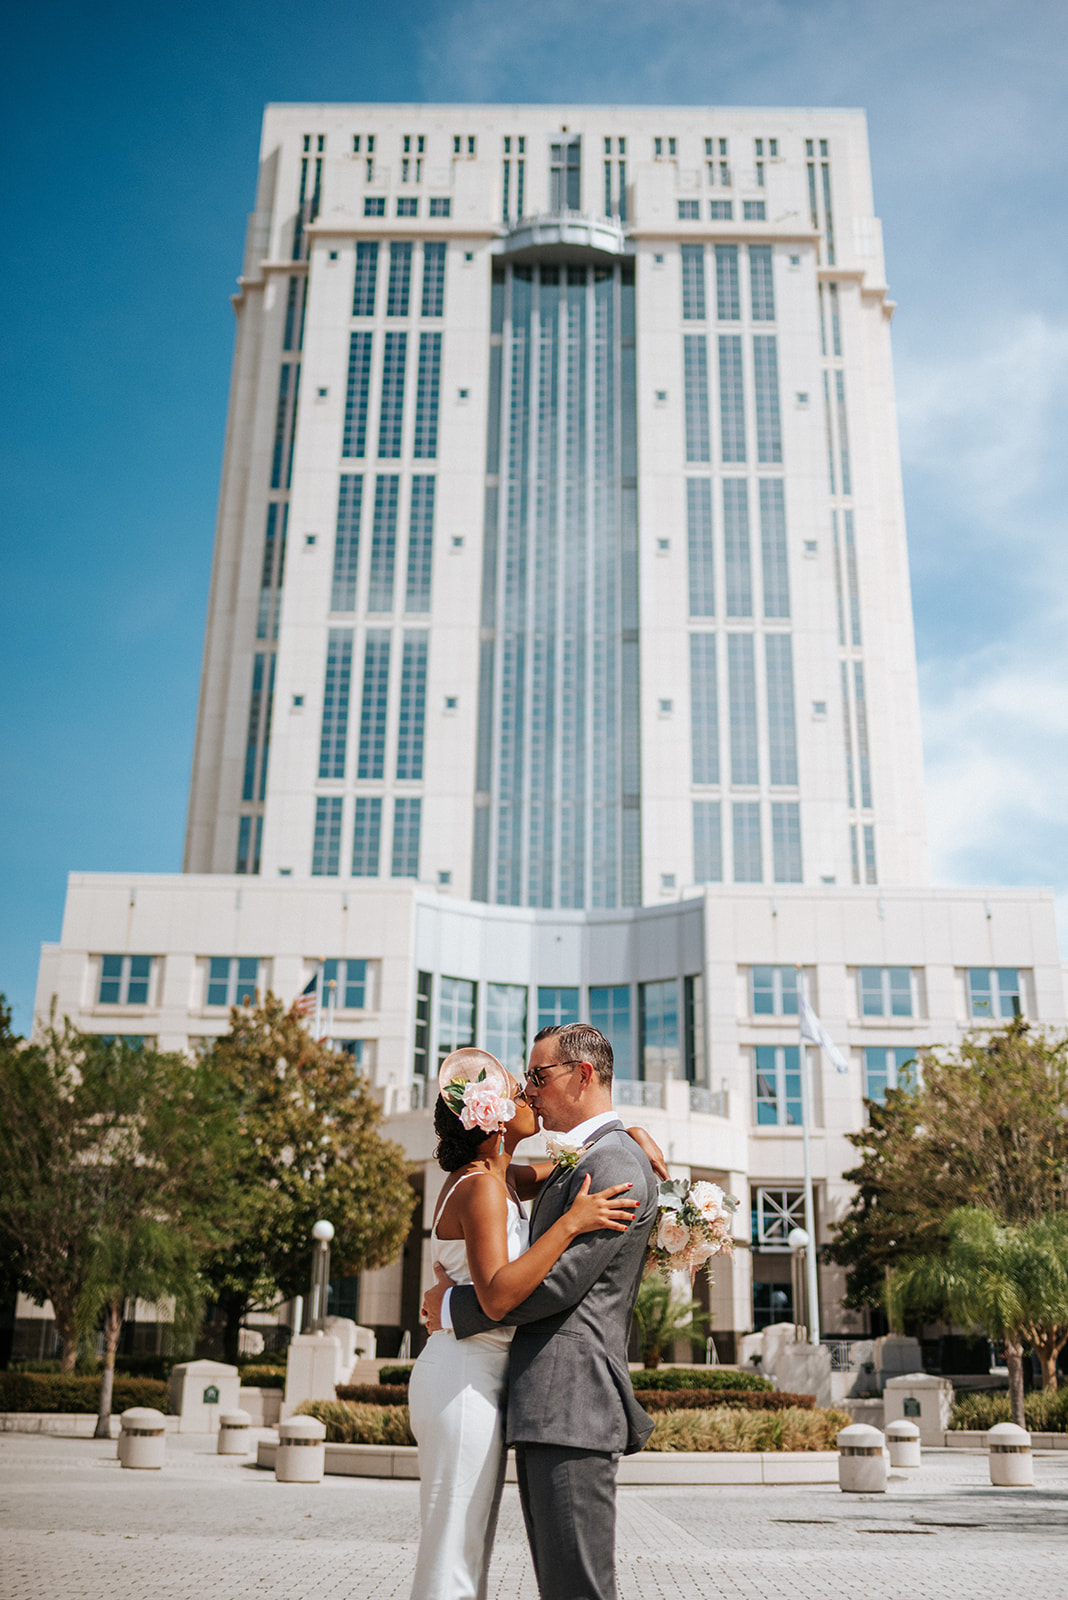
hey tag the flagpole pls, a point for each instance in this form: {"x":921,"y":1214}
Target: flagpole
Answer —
{"x":810,"y":1204}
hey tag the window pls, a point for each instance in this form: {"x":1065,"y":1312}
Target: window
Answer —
{"x":693,"y":282}
{"x":410,"y":732}
{"x":383,"y":542}
{"x":232,"y":980}
{"x":777,"y":1085}
{"x":366,"y":836}
{"x":772,"y":1302}
{"x":373,"y":705}
{"x":786,"y":841}
{"x":741,"y":689}
{"x":721,"y":210}
{"x":658,"y":1025}
{"x":326,"y":841}
{"x":363,"y":293}
{"x":892,"y":1067}
{"x":745,"y":823}
{"x":557,"y":1006}
{"x":728,"y":303}
{"x":707,"y":841}
{"x":124,"y":980}
{"x":374,"y":205}
{"x":333,"y":740}
{"x":420,"y":544}
{"x":773,"y":991}
{"x":427,"y":394}
{"x":773,"y":548}
{"x":357,"y":395}
{"x":689,"y":210}
{"x":250,"y":839}
{"x":731,"y":399}
{"x":408,"y":206}
{"x":407,"y":817}
{"x":344,"y":985}
{"x":433,"y":300}
{"x":775,"y":1213}
{"x":993,"y":993}
{"x":693,"y":1006}
{"x":695,"y":371}
{"x":753,"y":211}
{"x":782,"y":737}
{"x":610,"y":1012}
{"x":391,"y":421}
{"x":441,"y":206}
{"x":761,"y":285}
{"x":400,"y":279}
{"x":347,"y":543}
{"x":505,"y":1028}
{"x":699,"y":547}
{"x":565,"y":177}
{"x":421,"y":1043}
{"x":704,"y":710}
{"x":766,"y":386}
{"x":456,"y":1016}
{"x":737,"y":557}
{"x":886,"y":991}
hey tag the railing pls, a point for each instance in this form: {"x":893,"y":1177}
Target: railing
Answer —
{"x":849,"y":1355}
{"x":710,"y":1102}
{"x":626,"y":1092}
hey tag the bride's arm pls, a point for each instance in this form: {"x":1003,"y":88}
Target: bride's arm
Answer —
{"x":482,"y":1212}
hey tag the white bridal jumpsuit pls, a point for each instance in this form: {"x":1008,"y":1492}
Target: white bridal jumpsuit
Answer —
{"x":455,"y":1397}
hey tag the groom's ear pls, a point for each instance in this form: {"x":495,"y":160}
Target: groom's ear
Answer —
{"x":587,"y":1073}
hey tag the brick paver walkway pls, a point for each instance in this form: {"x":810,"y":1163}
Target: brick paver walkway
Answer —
{"x":74,"y":1526}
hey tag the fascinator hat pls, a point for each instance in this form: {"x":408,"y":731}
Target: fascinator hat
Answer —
{"x":476,"y":1088}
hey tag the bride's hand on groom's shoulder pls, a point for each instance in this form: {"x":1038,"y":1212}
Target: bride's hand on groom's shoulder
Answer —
{"x":648,"y":1145}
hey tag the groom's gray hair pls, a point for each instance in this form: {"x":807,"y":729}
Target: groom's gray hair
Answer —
{"x":582,"y":1042}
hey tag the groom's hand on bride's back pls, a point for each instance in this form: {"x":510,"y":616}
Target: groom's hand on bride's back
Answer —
{"x":431,"y":1308}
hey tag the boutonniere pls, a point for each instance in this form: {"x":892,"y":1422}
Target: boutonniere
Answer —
{"x":564,"y":1149}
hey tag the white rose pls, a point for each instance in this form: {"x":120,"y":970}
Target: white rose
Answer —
{"x":672,"y":1235}
{"x":708,"y":1198}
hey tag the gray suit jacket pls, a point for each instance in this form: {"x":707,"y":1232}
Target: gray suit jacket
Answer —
{"x":568,"y":1381}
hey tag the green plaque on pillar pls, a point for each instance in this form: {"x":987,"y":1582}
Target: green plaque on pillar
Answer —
{"x":912,"y":1407}
{"x":211,"y":1395}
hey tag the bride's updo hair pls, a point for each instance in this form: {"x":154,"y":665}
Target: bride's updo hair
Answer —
{"x":456,"y":1144}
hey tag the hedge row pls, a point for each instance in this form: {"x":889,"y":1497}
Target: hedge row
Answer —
{"x":1045,"y":1410}
{"x":655,"y":1400}
{"x":33,"y":1391}
{"x":659,"y":1378}
{"x":373,"y":1394}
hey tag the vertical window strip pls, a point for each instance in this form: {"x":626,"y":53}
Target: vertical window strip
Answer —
{"x":433,"y":303}
{"x":357,"y":393}
{"x":257,"y":844}
{"x":862,"y":734}
{"x":268,"y":710}
{"x":761,"y":283}
{"x":400,"y":278}
{"x":347,"y":543}
{"x":374,"y":704}
{"x":830,"y":437}
{"x":843,"y":432}
{"x":782,"y":727}
{"x":707,"y":841}
{"x":786,"y":841}
{"x":854,"y":853}
{"x":326,"y":844}
{"x":252,"y":741}
{"x":244,"y":844}
{"x":420,"y":545}
{"x":741,"y":682}
{"x":813,"y":210}
{"x":383,"y":543}
{"x":366,"y":836}
{"x":412,"y":723}
{"x":745,"y":828}
{"x":728,"y":302}
{"x":823,"y":324}
{"x":363,"y":296}
{"x":851,"y":574}
{"x":839,"y":597}
{"x":427,"y":396}
{"x":520,"y":174}
{"x":704,"y":709}
{"x":506,"y":185}
{"x":731,"y":397}
{"x":737,"y":562}
{"x":407,"y":816}
{"x":333,"y":738}
{"x":391,"y":421}
{"x":766,"y":386}
{"x":293,"y":333}
{"x":847,"y":731}
{"x":263,"y":617}
{"x":773,"y":548}
{"x":695,"y":367}
{"x":701,"y":553}
{"x":608,"y":191}
{"x":693,"y":282}
{"x":869,"y":853}
{"x":836,"y":325}
{"x":278,"y":452}
{"x":828,"y":214}
{"x":622,"y":165}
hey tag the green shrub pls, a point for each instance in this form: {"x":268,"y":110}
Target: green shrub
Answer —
{"x":373,"y":1394}
{"x":358,"y":1424}
{"x":264,"y":1377}
{"x":1045,"y":1410}
{"x":703,"y":1399}
{"x":32,"y":1391}
{"x":394,"y":1374}
{"x":158,"y":1367}
{"x":727,"y":1428}
{"x":696,"y":1378}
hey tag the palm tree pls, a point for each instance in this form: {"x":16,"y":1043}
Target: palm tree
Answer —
{"x":663,"y":1316}
{"x":1010,"y":1280}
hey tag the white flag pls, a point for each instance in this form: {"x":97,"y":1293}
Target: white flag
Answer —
{"x":814,"y":1032}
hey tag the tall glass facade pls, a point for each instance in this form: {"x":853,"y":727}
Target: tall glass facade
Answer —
{"x":558,"y":712}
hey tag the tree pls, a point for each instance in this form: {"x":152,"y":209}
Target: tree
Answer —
{"x":988,"y":1126}
{"x":664,"y":1315}
{"x":1011,"y":1279}
{"x":308,"y":1147}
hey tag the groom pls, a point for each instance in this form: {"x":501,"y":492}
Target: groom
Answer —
{"x":571,"y":1408}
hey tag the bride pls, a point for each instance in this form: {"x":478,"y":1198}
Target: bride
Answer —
{"x":480,"y":1236}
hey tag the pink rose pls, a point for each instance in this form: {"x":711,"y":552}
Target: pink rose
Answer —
{"x":708,"y":1198}
{"x":700,"y":1251}
{"x":484,"y":1107}
{"x":671,"y":1234}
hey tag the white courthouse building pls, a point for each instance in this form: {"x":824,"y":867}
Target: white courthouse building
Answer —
{"x":559,"y":658}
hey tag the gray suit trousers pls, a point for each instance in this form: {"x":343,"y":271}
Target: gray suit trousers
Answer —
{"x":569,"y":1506}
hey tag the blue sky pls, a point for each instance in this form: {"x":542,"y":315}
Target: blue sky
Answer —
{"x":131,"y":157}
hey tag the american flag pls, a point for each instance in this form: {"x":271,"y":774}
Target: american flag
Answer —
{"x":308,"y":997}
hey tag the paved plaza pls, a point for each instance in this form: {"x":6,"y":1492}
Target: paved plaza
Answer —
{"x":74,"y":1526}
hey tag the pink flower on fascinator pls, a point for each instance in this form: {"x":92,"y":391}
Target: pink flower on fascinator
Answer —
{"x":485,"y":1107}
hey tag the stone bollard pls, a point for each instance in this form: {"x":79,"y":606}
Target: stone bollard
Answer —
{"x":1011,"y":1463}
{"x":903,"y":1442}
{"x":234,"y":1433}
{"x":142,"y":1438}
{"x":301,"y":1456}
{"x":861,"y":1460}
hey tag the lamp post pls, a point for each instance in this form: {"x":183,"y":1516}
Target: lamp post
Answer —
{"x":322,"y":1233}
{"x":798,"y":1242}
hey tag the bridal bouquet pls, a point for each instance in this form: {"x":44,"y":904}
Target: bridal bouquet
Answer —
{"x":693,"y":1225}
